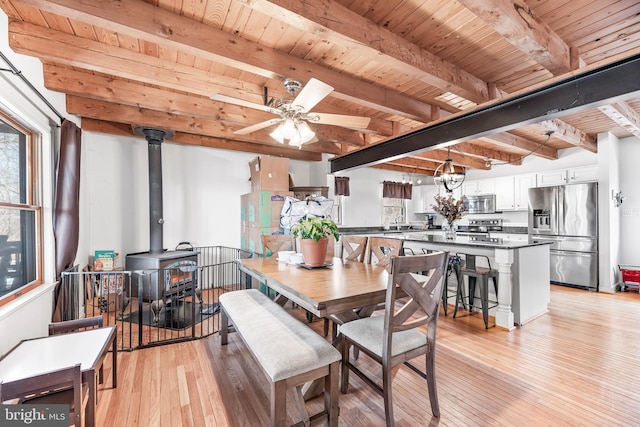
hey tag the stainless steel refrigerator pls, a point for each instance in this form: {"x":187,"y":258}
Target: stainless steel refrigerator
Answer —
{"x":567,"y":216}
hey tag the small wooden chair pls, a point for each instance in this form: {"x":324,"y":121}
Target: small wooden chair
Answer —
{"x":401,"y":334}
{"x":67,"y":326}
{"x":274,"y":243}
{"x":75,"y":325}
{"x":62,"y":387}
{"x":382,"y":249}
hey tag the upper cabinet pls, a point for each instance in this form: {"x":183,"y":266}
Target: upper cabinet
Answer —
{"x":567,"y":176}
{"x":545,"y":179}
{"x":424,"y":197}
{"x":512,"y":192}
{"x":479,"y":186}
{"x":522,"y":184}
{"x":505,"y":197}
{"x":583,"y":174}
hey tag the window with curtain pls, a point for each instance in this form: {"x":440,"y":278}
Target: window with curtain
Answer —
{"x":19,"y":211}
{"x":394,"y":206}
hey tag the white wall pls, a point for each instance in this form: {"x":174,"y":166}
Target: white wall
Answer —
{"x":630,"y":210}
{"x":201,"y":195}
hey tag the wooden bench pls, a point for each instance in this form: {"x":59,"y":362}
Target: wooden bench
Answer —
{"x":288,"y":351}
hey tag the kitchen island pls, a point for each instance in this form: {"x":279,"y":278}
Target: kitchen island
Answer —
{"x":523,"y":271}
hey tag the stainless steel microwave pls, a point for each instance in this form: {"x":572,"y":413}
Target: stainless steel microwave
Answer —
{"x":481,"y":203}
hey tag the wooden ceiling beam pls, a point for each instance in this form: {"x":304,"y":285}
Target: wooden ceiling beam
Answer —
{"x":127,"y":92}
{"x":122,"y":129}
{"x":97,"y":109}
{"x":515,"y":21}
{"x":527,"y":146}
{"x":570,"y":134}
{"x":484,"y":153}
{"x":330,"y":20}
{"x":403,"y":169}
{"x":457,"y":158}
{"x":415,"y":162}
{"x":624,"y":115}
{"x":206,"y":42}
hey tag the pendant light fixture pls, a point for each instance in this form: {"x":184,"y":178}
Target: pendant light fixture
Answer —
{"x":447,"y":175}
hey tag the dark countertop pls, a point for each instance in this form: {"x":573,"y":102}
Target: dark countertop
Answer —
{"x":438,"y":239}
{"x":407,"y":228}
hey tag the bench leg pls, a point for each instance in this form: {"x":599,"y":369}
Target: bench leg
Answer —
{"x":224,"y":326}
{"x":278,"y":403}
{"x":302,"y":408}
{"x":331,"y":394}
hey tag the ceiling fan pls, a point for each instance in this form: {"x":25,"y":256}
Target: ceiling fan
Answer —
{"x":294,"y":114}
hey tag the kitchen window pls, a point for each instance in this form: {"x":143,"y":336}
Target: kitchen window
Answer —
{"x":393,"y":210}
{"x":19,"y":211}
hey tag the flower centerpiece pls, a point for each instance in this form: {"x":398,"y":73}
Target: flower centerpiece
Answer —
{"x":451,"y":210}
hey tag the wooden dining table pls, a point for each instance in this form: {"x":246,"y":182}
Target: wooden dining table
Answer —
{"x":37,"y":356}
{"x":337,"y":288}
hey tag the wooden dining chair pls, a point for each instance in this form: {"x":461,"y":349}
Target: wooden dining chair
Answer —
{"x":382,"y":249}
{"x":400,"y":334}
{"x":273,"y":243}
{"x":354,"y":247}
{"x":61,"y":387}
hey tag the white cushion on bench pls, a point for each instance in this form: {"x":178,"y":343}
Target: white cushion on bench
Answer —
{"x":283,"y":345}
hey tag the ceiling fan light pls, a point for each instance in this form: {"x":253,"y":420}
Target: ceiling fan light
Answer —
{"x":306,"y":134}
{"x":288,"y":129}
{"x":277,"y":135}
{"x":296,"y":141}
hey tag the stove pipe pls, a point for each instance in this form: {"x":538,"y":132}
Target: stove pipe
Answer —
{"x":154,"y":138}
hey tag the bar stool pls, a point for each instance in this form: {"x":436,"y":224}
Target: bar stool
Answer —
{"x":476,"y":275}
{"x":453,"y":266}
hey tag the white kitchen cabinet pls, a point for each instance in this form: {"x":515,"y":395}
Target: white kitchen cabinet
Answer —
{"x":545,"y":179}
{"x":511,"y":236}
{"x":417,"y":199}
{"x":505,"y":193}
{"x":522,"y":184}
{"x":423,"y":198}
{"x":429,"y":197}
{"x":583,"y":174}
{"x":479,"y":186}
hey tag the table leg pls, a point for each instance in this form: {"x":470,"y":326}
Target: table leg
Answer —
{"x":114,"y":362}
{"x":90,"y":414}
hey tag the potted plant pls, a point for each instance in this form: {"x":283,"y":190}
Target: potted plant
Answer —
{"x":314,"y":235}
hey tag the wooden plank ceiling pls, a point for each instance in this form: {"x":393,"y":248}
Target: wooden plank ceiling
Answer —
{"x":403,"y":64}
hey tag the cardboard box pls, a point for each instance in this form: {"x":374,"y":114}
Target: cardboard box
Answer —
{"x":251,"y":241}
{"x":262,"y":208}
{"x":269,"y":173}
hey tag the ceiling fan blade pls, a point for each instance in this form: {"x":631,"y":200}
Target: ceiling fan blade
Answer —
{"x":356,"y":122}
{"x":312,"y":93}
{"x":257,"y":126}
{"x":240,"y":102}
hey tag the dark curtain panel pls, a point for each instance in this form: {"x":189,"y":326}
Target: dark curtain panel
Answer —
{"x":396,"y":190}
{"x":66,"y":206}
{"x":342,"y":186}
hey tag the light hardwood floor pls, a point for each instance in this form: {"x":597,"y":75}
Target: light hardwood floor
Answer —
{"x":578,"y":365}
